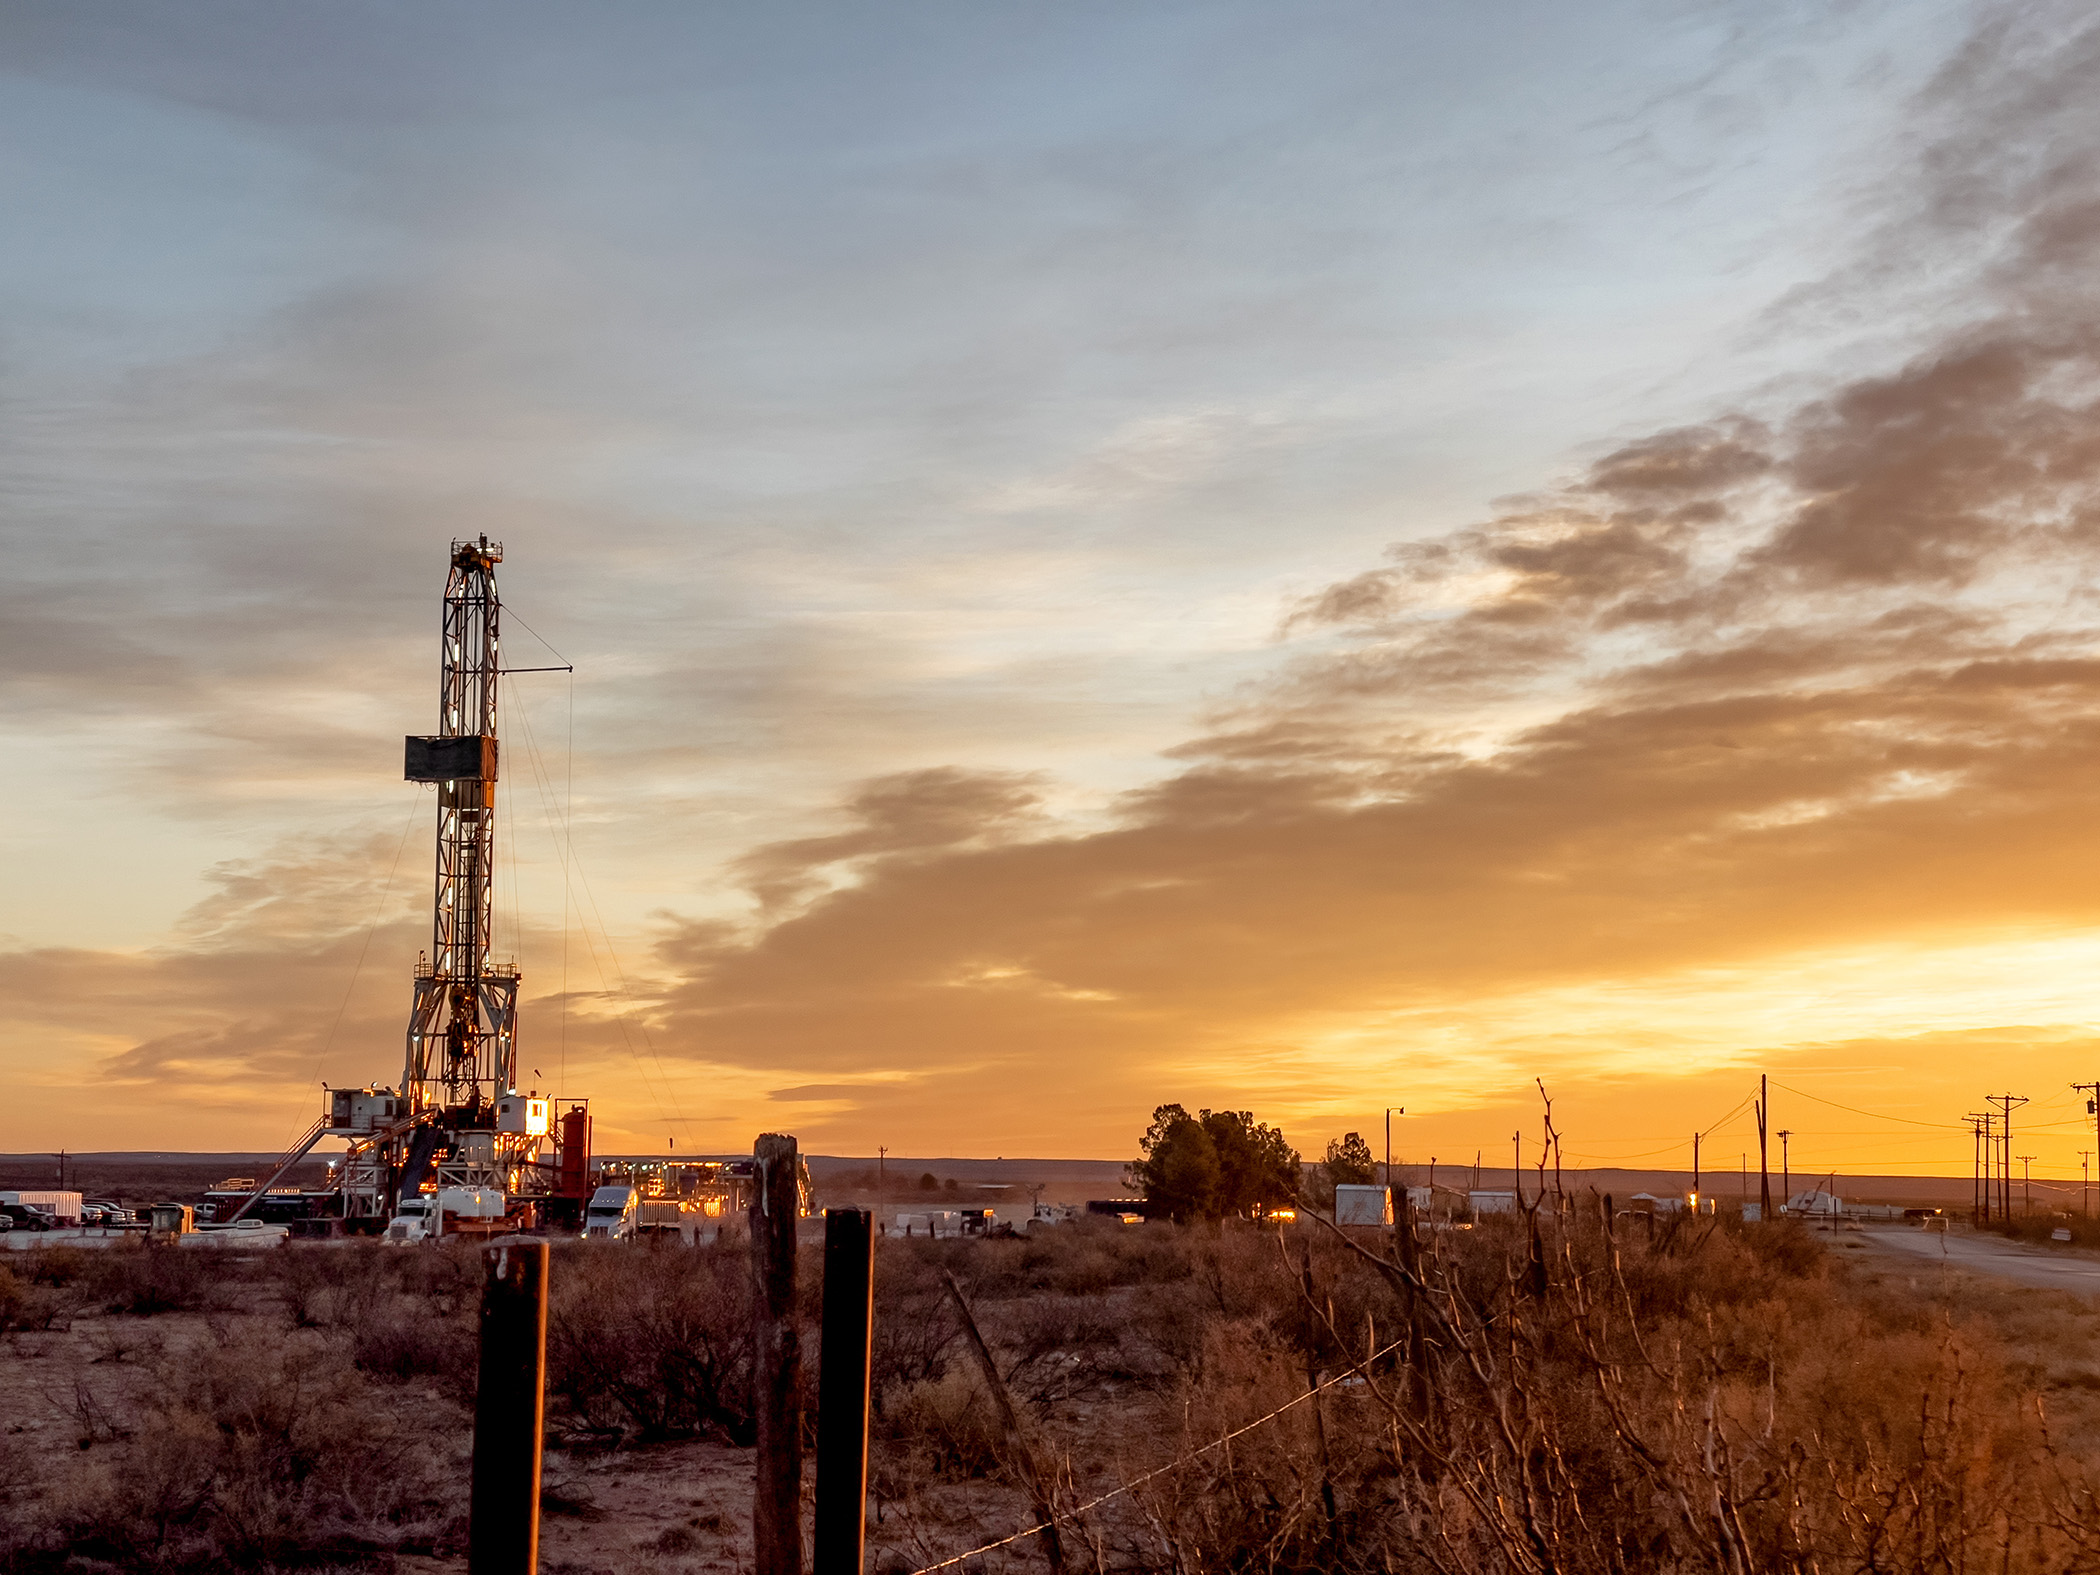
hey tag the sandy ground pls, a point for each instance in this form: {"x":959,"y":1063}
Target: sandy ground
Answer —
{"x":70,"y":1393}
{"x":2063,"y":1268}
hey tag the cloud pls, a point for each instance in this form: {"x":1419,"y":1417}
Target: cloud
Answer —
{"x":1796,"y":687}
{"x":899,"y":815}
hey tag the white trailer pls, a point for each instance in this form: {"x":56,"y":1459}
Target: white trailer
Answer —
{"x":63,"y":1207}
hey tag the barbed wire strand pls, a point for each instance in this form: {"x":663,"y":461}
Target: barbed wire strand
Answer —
{"x":1172,"y":1465}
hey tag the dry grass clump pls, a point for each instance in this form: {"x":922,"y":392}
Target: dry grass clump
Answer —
{"x":265,"y":1451}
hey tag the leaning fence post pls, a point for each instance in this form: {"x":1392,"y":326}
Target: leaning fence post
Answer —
{"x":842,"y":1391}
{"x":1031,"y":1474}
{"x":510,"y":1402}
{"x":777,"y":1505}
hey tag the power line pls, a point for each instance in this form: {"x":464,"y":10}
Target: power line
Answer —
{"x":1871,"y":1115}
{"x":1172,"y":1465}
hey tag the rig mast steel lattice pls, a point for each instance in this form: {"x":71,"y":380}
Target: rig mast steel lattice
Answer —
{"x":457,"y":1119}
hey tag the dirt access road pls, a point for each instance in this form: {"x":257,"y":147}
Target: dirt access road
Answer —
{"x":2063,"y":1269}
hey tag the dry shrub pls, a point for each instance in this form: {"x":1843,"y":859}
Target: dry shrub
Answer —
{"x":400,"y":1339}
{"x":148,"y":1281}
{"x":24,"y":1304}
{"x":939,"y":1428}
{"x":658,"y":1342}
{"x":261,"y":1453}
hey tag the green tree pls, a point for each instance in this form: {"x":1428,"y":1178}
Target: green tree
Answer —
{"x":1214,"y":1163}
{"x":1178,"y":1166}
{"x":1348,"y":1164}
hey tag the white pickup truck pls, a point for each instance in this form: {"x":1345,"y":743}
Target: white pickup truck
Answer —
{"x":422,"y":1217}
{"x":610,"y":1215}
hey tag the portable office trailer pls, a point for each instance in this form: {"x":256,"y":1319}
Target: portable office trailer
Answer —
{"x":1355,"y":1205}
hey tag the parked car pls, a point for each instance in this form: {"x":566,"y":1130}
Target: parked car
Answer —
{"x":6,"y":1222}
{"x":27,"y":1216}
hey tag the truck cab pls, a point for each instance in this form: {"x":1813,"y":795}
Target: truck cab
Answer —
{"x":611,"y":1213}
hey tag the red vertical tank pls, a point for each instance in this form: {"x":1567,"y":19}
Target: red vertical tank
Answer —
{"x":573,"y":1154}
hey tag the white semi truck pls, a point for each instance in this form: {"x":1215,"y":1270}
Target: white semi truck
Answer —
{"x":424,"y":1216}
{"x":611,"y":1214}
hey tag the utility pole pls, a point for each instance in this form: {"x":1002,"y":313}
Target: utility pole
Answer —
{"x":1390,"y":1112}
{"x":1695,"y":1172}
{"x":2026,"y":1183}
{"x":1975,"y":1165}
{"x":1764,"y":1162}
{"x":2085,"y":1186}
{"x":1984,"y":1124}
{"x":882,"y":1174}
{"x":2007,"y":1104}
{"x":2092,"y":1104}
{"x":1516,"y":1166}
{"x":1786,"y":1170}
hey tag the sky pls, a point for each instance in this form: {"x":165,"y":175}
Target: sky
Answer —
{"x":1306,"y":559}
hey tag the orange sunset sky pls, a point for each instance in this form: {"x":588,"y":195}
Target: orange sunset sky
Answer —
{"x":1305,"y":558}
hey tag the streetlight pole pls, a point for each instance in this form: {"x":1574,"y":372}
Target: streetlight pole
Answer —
{"x":1390,"y":1112}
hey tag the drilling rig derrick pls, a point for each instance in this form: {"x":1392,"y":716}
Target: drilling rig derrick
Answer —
{"x":457,"y":1118}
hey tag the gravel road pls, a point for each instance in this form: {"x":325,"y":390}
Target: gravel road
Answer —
{"x":2063,"y":1269}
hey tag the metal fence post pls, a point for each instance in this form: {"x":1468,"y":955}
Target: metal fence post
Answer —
{"x":775,"y":1211}
{"x":842,"y":1391}
{"x":510,"y":1402}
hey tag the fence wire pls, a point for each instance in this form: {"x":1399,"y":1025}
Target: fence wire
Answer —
{"x":1173,"y":1465}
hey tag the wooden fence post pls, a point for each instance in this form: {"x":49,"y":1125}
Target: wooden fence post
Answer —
{"x":1033,"y":1480}
{"x":510,"y":1406}
{"x":842,"y":1391}
{"x":775,"y":1211}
